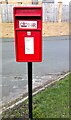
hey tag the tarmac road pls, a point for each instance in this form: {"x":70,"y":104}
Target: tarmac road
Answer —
{"x":14,"y":75}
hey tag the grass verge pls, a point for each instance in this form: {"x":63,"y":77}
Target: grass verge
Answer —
{"x":53,"y":102}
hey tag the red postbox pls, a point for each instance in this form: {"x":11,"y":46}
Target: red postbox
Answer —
{"x":28,"y":34}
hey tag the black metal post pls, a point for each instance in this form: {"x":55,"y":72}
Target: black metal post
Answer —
{"x":30,"y":88}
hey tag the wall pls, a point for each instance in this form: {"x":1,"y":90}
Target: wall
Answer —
{"x":49,"y":29}
{"x":56,"y":29}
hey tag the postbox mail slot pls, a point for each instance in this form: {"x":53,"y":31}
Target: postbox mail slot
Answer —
{"x":21,"y":15}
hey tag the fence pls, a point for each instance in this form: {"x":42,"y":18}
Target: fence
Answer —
{"x":65,"y":13}
{"x":7,"y":12}
{"x":50,"y":12}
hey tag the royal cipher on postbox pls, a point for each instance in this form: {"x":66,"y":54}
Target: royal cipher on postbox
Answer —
{"x":28,"y":33}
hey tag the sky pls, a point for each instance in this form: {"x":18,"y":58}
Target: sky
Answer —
{"x":64,"y":1}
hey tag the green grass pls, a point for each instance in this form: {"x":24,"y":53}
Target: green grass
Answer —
{"x":53,"y":102}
